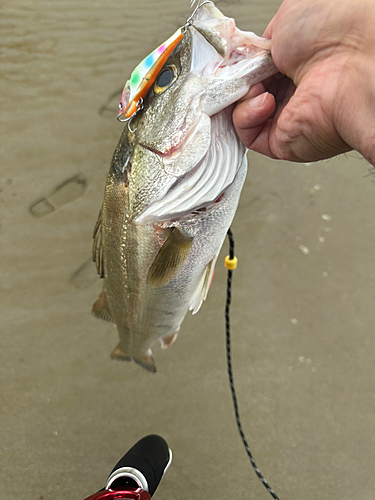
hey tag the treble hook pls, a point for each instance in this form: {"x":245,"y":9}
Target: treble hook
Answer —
{"x":129,"y":122}
{"x":129,"y":119}
{"x":190,"y":19}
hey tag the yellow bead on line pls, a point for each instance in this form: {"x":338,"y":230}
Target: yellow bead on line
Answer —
{"x":229,"y":263}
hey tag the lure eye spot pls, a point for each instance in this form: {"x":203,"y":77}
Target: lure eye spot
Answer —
{"x":165,"y":79}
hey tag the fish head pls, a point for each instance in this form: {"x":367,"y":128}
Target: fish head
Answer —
{"x":212,"y":66}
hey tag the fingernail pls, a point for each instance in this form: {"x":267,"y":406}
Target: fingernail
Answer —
{"x":256,"y":102}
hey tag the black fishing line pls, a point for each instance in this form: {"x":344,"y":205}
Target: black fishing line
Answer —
{"x":230,"y":372}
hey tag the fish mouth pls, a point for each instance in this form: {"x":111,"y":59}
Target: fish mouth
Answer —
{"x":236,"y":49}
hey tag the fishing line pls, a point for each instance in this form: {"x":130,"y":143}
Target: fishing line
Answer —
{"x":231,"y":264}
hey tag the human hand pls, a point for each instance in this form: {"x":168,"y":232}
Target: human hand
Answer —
{"x":325,"y":105}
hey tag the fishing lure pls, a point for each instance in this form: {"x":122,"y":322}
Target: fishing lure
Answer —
{"x":144,"y":75}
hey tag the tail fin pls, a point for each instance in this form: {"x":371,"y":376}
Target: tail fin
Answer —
{"x":147,"y":361}
{"x":120,"y":354}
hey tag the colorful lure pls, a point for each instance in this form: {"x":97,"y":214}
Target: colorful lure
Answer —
{"x":144,"y":76}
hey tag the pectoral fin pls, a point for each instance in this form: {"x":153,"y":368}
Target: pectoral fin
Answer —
{"x":169,"y":259}
{"x":100,"y":308}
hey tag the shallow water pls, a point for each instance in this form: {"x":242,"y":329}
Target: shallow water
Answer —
{"x":303,"y":312}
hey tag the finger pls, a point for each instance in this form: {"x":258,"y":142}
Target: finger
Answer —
{"x":271,"y":140}
{"x":260,"y":142}
{"x":259,"y":88}
{"x":254,"y":91}
{"x":299,"y":132}
{"x":250,"y":116}
{"x":282,"y":89}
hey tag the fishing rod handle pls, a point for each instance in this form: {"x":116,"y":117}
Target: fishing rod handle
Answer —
{"x":144,"y":464}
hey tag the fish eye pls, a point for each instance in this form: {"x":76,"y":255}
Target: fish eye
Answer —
{"x":165,"y":78}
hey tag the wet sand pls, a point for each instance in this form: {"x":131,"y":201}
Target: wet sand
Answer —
{"x":303,"y":299}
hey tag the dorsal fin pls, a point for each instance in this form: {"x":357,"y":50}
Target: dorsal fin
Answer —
{"x":97,"y":247}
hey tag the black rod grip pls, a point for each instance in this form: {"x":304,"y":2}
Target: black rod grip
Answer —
{"x":150,"y":456}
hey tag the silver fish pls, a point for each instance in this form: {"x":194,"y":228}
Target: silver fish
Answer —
{"x":174,"y":184}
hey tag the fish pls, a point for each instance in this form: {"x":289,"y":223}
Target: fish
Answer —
{"x":175,"y":180}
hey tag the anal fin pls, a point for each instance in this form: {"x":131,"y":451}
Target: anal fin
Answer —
{"x":203,"y":286}
{"x":100,"y":308}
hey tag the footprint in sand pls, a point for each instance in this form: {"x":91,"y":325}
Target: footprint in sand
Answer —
{"x":5,"y":184}
{"x":85,"y":276}
{"x":64,"y":193}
